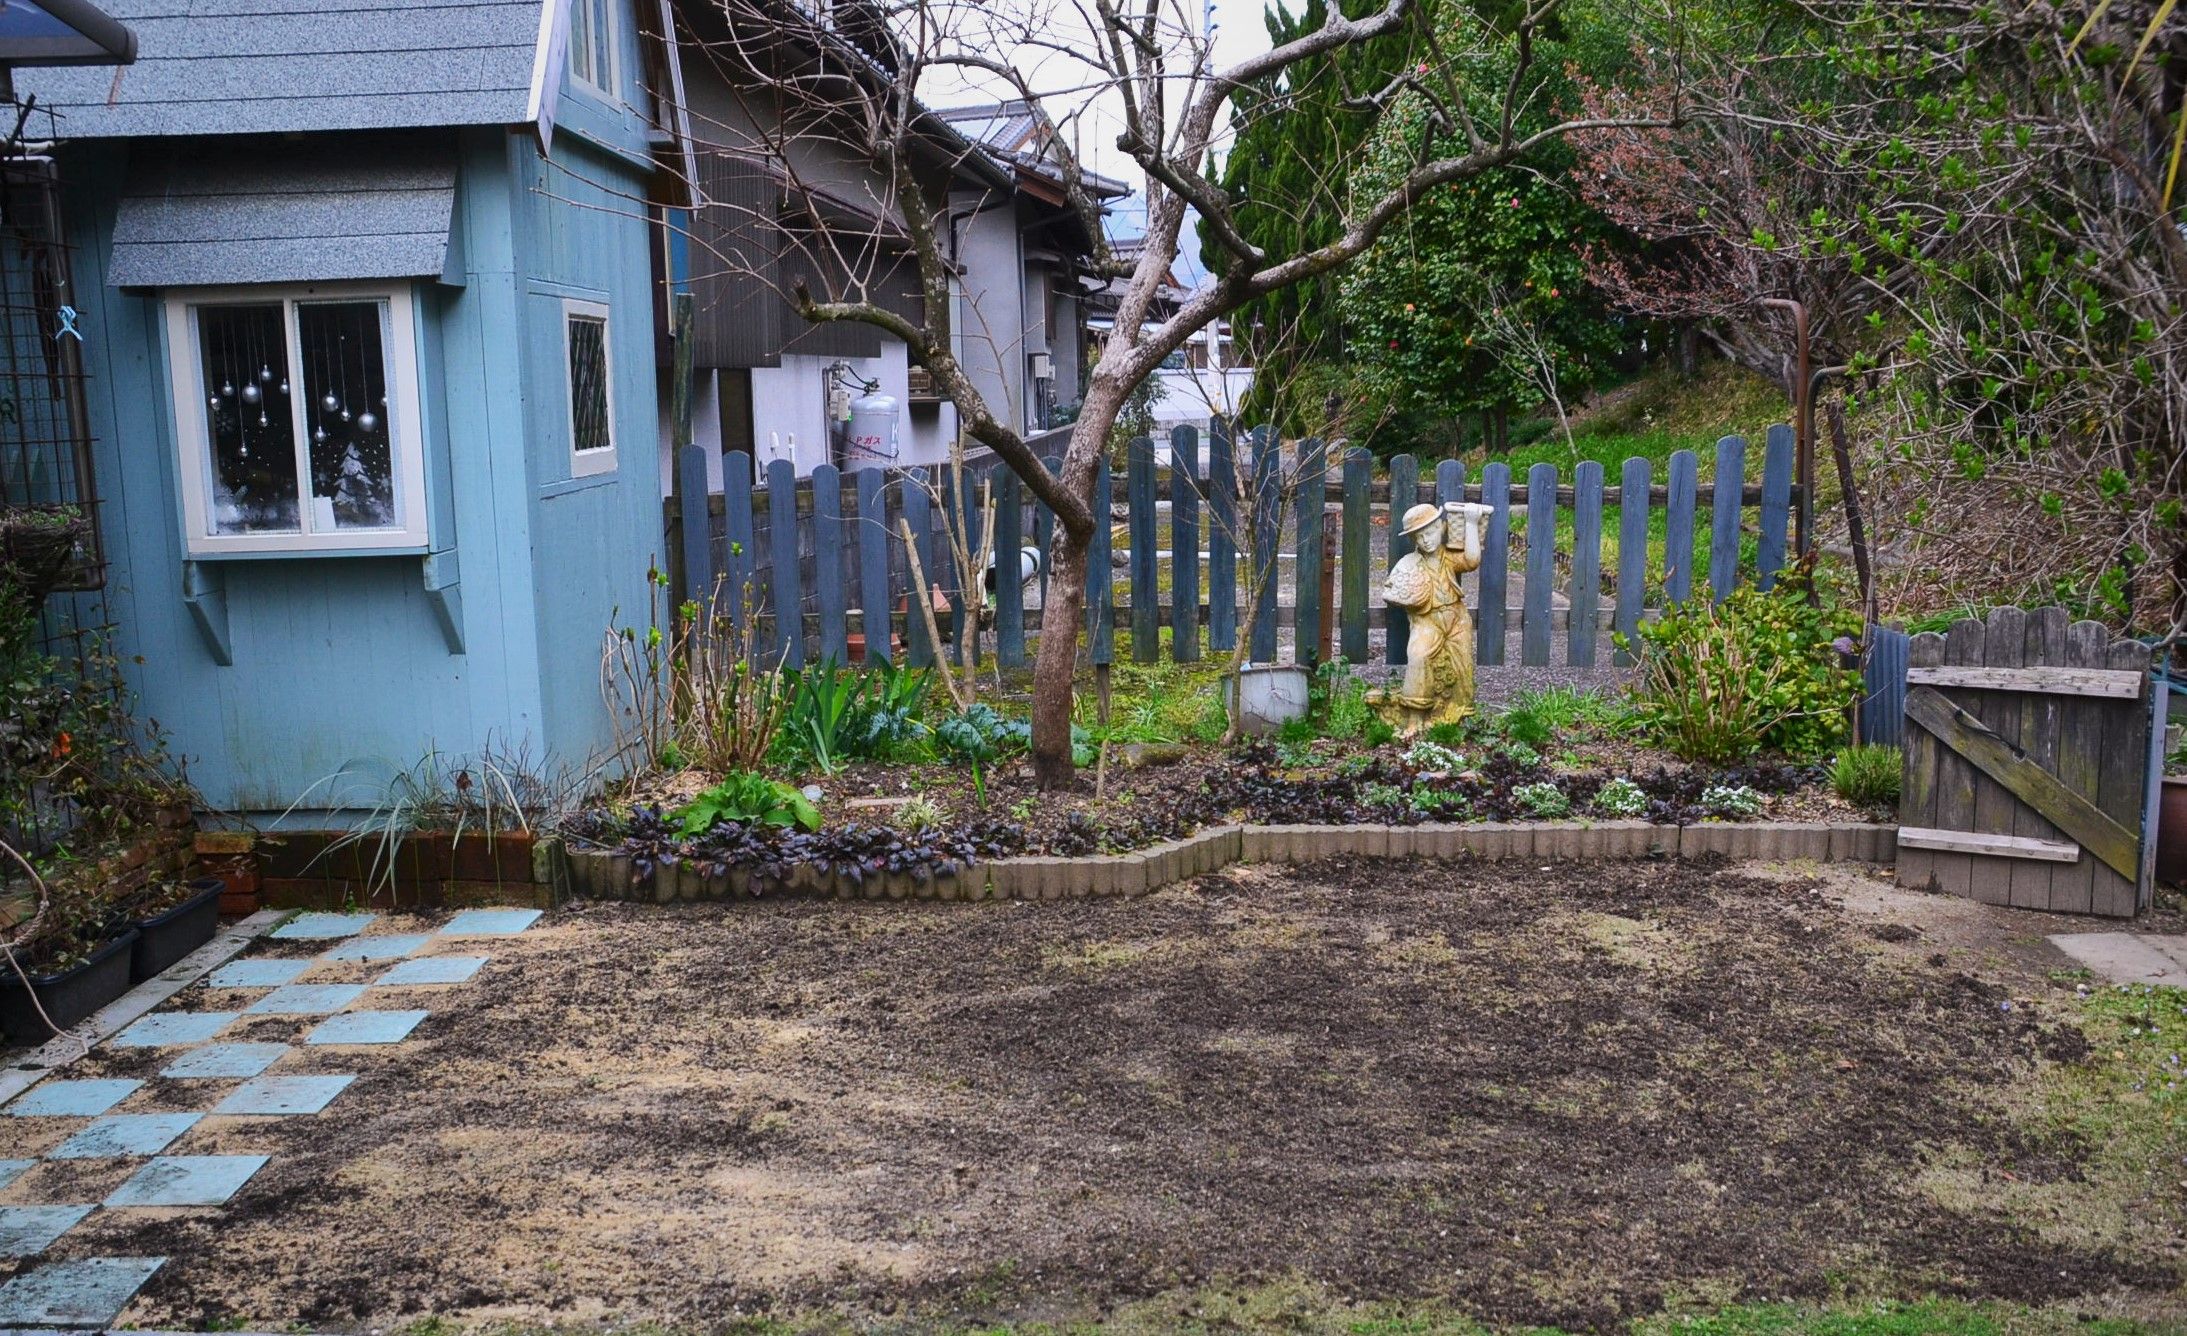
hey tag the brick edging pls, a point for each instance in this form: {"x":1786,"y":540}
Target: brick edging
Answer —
{"x":610,"y":876}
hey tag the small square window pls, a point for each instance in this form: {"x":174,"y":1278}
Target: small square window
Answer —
{"x":592,"y":44}
{"x":592,"y":405}
{"x":297,"y":416}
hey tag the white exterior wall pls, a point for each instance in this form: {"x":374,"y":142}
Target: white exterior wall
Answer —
{"x":789,"y":405}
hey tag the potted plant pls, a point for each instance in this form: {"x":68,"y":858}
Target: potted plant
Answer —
{"x":37,"y":544}
{"x":172,"y":920}
{"x":71,"y":962}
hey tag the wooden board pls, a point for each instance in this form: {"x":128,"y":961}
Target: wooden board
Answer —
{"x":789,"y":594}
{"x":1184,"y":545}
{"x":1404,"y":482}
{"x":2043,"y":642}
{"x":1541,"y":563}
{"x":1313,"y":467}
{"x":1994,"y":805}
{"x":2055,"y":680}
{"x":830,"y":589}
{"x":1267,"y":524}
{"x":736,"y":489}
{"x":2006,"y":846}
{"x":1918,"y":777}
{"x":1731,"y":465}
{"x":1997,"y":760}
{"x":1101,"y":576}
{"x":1353,"y":562}
{"x":1495,"y":562}
{"x":2117,"y":891}
{"x":917,"y":514}
{"x":1632,"y":551}
{"x":1222,"y":540}
{"x":1678,"y":540}
{"x":876,"y":610}
{"x":1146,"y":644}
{"x":1777,"y":462}
{"x":1586,"y":594}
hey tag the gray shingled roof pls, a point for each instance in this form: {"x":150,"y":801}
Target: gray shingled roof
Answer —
{"x":207,"y":67}
{"x":286,"y":215}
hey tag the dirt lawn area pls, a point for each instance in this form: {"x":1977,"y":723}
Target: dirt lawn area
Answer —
{"x":1567,"y":1095}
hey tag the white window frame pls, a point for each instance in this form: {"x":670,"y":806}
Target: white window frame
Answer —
{"x":406,"y":445}
{"x":600,"y":459}
{"x":608,"y":62}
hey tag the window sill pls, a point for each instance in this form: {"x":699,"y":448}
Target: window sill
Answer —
{"x":417,"y":549}
{"x":581,"y":483}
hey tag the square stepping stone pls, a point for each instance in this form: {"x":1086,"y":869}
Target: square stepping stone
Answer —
{"x":283,"y":1095}
{"x":28,"y":1230}
{"x":305,"y":999}
{"x":187,"y":1180}
{"x":431,"y":969}
{"x":235,"y":1061}
{"x":173,"y":1027}
{"x":321,"y":926}
{"x":366,"y":1027}
{"x":257,"y":973}
{"x":87,"y":1292}
{"x":72,"y":1099}
{"x":125,"y":1134}
{"x":10,"y":1170}
{"x":391,"y":947}
{"x":489,"y":923}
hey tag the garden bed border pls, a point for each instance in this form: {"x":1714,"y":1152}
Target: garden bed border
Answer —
{"x":609,"y":875}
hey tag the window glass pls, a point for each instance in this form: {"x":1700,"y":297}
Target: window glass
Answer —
{"x":589,"y":426}
{"x":591,"y":43}
{"x":250,"y":430}
{"x":345,"y":380}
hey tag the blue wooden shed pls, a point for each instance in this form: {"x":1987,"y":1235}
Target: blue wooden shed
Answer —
{"x":364,"y":288}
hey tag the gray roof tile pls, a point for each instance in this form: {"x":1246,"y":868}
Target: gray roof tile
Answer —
{"x":267,"y":66}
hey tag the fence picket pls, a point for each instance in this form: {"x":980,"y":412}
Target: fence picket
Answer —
{"x":1586,"y":595}
{"x":1222,"y":539}
{"x":829,"y":586}
{"x":1404,"y":486}
{"x":1632,"y":550}
{"x":1184,"y":544}
{"x":1776,"y":504}
{"x":1495,"y":561}
{"x":1313,"y":486}
{"x":1678,"y":541}
{"x":1541,"y":563}
{"x":917,"y":518}
{"x":1731,"y":469}
{"x":697,"y":534}
{"x":874,"y":621}
{"x":1267,"y":520}
{"x":736,"y":500}
{"x":1009,"y":570}
{"x":782,"y":541}
{"x":1101,"y":576}
{"x":1146,"y":615}
{"x":1358,"y":475}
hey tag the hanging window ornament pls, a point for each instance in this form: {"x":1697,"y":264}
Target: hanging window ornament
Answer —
{"x":251,"y":393}
{"x":265,"y":374}
{"x":212,"y":401}
{"x":345,"y":415}
{"x":227,"y":389}
{"x":368,"y":421}
{"x":262,"y":419}
{"x":284,"y":387}
{"x":319,"y":435}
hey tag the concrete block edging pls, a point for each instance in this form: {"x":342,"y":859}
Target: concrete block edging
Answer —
{"x":606,"y":875}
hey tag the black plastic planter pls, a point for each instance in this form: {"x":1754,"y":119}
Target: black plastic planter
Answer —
{"x":67,"y":996}
{"x":168,"y":936}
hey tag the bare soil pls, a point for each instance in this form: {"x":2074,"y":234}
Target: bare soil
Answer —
{"x":1556,"y":1096}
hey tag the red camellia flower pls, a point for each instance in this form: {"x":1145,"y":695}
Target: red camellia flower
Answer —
{"x":62,"y":746}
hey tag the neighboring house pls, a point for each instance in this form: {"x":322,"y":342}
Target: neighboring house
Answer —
{"x":365,"y":298}
{"x":1021,"y":319}
{"x":1199,"y":381}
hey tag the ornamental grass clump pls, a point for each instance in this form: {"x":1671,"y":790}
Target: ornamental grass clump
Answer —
{"x":1763,"y":671}
{"x":1868,"y":775}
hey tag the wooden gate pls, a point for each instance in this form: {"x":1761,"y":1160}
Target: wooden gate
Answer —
{"x":2029,"y":764}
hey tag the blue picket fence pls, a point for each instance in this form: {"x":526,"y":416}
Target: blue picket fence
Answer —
{"x":1317,"y":521}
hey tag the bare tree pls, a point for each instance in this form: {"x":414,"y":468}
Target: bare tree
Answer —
{"x":858,"y":74}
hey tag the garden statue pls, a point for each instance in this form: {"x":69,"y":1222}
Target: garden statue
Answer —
{"x":1438,"y":682}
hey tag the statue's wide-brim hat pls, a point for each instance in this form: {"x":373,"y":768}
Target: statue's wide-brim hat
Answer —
{"x":1418,"y":518}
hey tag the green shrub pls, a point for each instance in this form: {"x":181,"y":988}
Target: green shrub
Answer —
{"x":1339,"y":696}
{"x":1868,"y":775}
{"x":1544,"y":800}
{"x":1761,"y":671}
{"x":980,"y":735}
{"x":836,"y":714}
{"x":1451,"y":735}
{"x":745,"y":796}
{"x":1621,"y":798}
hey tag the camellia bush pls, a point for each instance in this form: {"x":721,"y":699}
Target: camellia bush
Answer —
{"x":1762,"y":671}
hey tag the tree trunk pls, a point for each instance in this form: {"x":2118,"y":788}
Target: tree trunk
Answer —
{"x":1057,"y":659}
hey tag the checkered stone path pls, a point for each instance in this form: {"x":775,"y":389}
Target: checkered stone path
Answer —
{"x":226,"y":1078}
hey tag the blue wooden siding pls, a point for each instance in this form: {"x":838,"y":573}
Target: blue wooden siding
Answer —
{"x":341,"y":675}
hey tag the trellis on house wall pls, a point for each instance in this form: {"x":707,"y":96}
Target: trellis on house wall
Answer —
{"x":828,"y":546}
{"x":46,"y":478}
